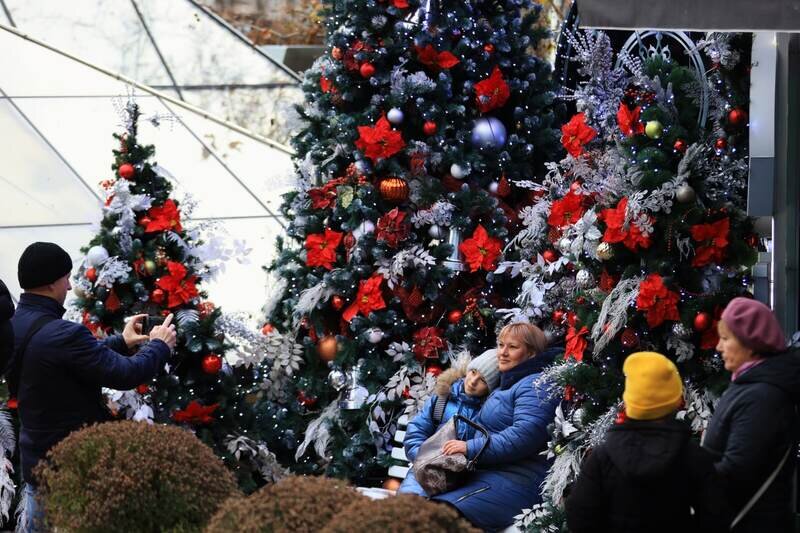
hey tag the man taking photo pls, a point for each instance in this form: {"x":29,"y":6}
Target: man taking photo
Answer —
{"x":59,"y":368}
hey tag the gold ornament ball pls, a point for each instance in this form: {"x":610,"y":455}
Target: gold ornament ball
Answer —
{"x":653,"y":129}
{"x":391,"y":483}
{"x":394,"y":190}
{"x":327,"y":348}
{"x":604,"y":251}
{"x":150,"y":267}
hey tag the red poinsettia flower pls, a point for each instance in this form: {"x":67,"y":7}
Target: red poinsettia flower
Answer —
{"x":326,"y":85}
{"x":493,"y":92}
{"x":400,"y":4}
{"x":714,"y":237}
{"x":379,"y":141}
{"x":164,"y":218}
{"x":178,"y":287}
{"x":567,"y":211}
{"x":607,"y":281}
{"x":368,"y":299}
{"x":321,"y":248}
{"x":392,"y":228}
{"x":576,"y":343}
{"x":576,"y":133}
{"x":427,"y":343}
{"x":350,"y":61}
{"x":195,"y":413}
{"x":629,"y":123}
{"x":431,"y":57}
{"x":481,"y":251}
{"x":616,"y":231}
{"x":658,"y":302}
{"x":322,"y":197}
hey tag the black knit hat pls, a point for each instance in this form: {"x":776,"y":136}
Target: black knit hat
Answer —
{"x":42,"y":263}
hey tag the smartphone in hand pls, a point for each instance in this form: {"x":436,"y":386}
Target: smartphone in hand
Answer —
{"x":149,"y":322}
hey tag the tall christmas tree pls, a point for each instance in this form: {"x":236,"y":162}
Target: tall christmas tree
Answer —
{"x":640,"y":236}
{"x":143,"y":260}
{"x":421,"y":120}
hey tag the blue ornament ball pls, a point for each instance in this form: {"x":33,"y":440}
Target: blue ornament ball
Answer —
{"x":488,"y":132}
{"x":395,"y":116}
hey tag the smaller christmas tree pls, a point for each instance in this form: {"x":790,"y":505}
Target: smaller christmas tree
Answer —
{"x":143,"y":260}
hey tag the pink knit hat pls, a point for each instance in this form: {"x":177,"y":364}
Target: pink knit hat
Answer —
{"x":755,"y":325}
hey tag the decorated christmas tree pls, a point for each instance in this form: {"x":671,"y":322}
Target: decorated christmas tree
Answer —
{"x":421,"y":120}
{"x":639,"y":237}
{"x":144,"y":260}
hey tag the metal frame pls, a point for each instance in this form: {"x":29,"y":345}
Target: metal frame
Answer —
{"x":157,"y":49}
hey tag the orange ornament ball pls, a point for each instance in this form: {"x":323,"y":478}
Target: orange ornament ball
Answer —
{"x":91,"y":274}
{"x":391,"y":483}
{"x":394,"y":190}
{"x":327,"y":348}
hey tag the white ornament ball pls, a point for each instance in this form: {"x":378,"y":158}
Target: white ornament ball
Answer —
{"x":604,"y":251}
{"x":494,"y":187}
{"x":437,"y":232}
{"x":337,"y":379}
{"x":458,"y":172}
{"x":685,"y":194}
{"x":364,"y":228}
{"x":96,"y":256}
{"x":375,"y":335}
{"x":395,"y":116}
{"x":565,"y":245}
{"x":584,"y":279}
{"x":488,"y":132}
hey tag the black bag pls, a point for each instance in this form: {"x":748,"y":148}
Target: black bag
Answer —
{"x":436,"y":472}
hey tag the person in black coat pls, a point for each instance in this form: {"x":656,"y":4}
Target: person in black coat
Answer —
{"x":6,"y":330}
{"x":648,"y":475}
{"x":754,"y":430}
{"x":57,"y":377}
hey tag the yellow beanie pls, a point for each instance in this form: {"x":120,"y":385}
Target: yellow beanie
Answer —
{"x":653,"y":387}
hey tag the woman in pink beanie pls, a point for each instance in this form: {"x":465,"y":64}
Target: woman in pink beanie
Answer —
{"x":754,"y":428}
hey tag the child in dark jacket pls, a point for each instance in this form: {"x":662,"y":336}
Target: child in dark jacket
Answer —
{"x":648,"y":475}
{"x":464,"y":387}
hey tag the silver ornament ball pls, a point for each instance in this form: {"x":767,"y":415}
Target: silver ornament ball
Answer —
{"x":364,"y":228}
{"x":375,"y":335}
{"x":584,"y":279}
{"x":488,"y":132}
{"x":363,"y":166}
{"x":458,"y":172}
{"x":395,"y":116}
{"x":685,"y":194}
{"x":96,"y":256}
{"x":565,"y":245}
{"x":437,"y":232}
{"x":337,"y":379}
{"x":681,"y":331}
{"x":604,"y":251}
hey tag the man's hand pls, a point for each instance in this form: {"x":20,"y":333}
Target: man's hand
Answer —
{"x":453,"y":447}
{"x":165,"y":332}
{"x":132,"y":334}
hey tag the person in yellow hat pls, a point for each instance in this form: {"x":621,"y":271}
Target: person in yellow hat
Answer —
{"x":649,"y":474}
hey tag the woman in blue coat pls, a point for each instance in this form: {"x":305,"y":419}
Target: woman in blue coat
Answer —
{"x":510,"y":471}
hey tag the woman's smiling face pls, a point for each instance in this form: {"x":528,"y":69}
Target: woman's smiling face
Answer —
{"x":511,"y":351}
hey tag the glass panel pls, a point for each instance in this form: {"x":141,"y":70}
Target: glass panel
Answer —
{"x":14,"y":241}
{"x":263,"y":111}
{"x":36,"y":187}
{"x":109,"y":34}
{"x":266,"y":171}
{"x":242,"y":286}
{"x":200,"y":51}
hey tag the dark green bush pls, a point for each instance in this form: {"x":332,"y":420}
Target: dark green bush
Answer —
{"x":399,"y":514}
{"x":130,"y":476}
{"x":295,"y":504}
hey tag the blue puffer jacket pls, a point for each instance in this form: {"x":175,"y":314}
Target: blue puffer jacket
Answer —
{"x":422,"y":427}
{"x":511,"y":469}
{"x":63,"y":371}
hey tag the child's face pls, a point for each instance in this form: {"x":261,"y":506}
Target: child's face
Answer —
{"x":474,"y":385}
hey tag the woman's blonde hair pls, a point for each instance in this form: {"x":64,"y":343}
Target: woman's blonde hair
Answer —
{"x":530,"y":335}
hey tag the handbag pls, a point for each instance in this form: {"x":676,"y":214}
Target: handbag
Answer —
{"x":760,"y":492}
{"x":436,"y":472}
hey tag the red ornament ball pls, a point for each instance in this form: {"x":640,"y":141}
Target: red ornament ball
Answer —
{"x":212,"y":364}
{"x":157,"y":295}
{"x":126,"y":171}
{"x":721,"y":143}
{"x":143,"y":388}
{"x":580,"y":300}
{"x":429,"y":128}
{"x":455,"y":316}
{"x":337,"y":302}
{"x":337,"y":53}
{"x":433,"y":369}
{"x":488,"y":48}
{"x":679,"y":146}
{"x":267,"y":329}
{"x":550,"y":255}
{"x":629,"y":339}
{"x":306,"y":401}
{"x":702,"y":321}
{"x":558,"y":316}
{"x":91,"y":274}
{"x":367,"y":70}
{"x":205,"y":309}
{"x":737,"y":117}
